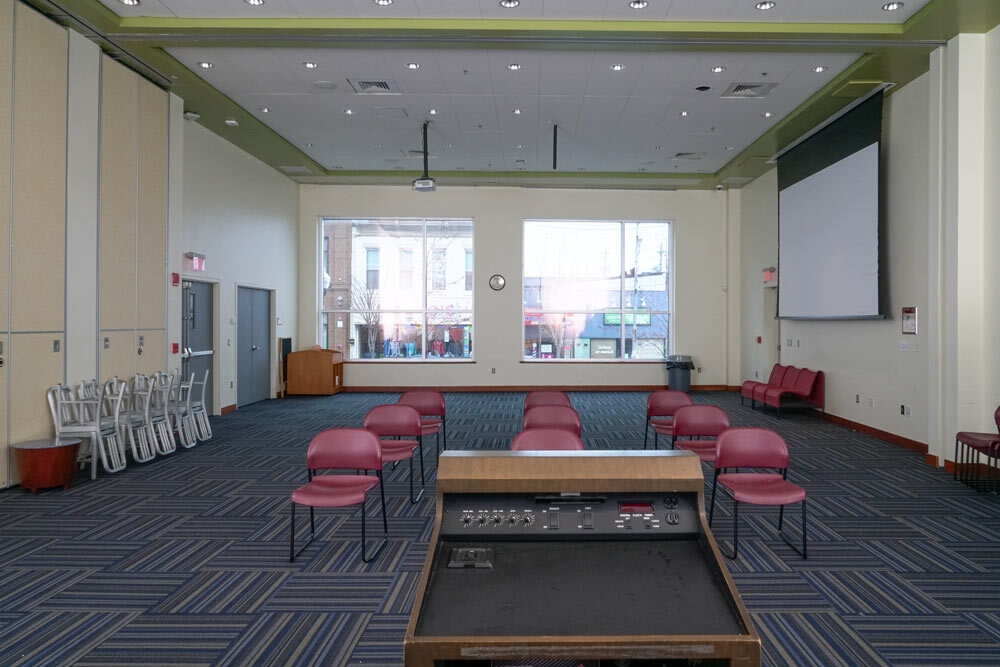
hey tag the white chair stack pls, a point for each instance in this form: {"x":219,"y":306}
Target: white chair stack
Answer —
{"x":95,"y":418}
{"x":202,"y":425}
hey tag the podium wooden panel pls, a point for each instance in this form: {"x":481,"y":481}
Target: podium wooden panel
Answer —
{"x":316,"y":372}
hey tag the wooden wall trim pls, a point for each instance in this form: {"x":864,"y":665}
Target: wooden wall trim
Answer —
{"x":228,"y":408}
{"x":878,"y":433}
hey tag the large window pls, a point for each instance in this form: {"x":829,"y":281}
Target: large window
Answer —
{"x":398,"y":288}
{"x":596,"y":290}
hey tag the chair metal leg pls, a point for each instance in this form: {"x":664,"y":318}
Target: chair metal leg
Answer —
{"x":645,"y":435}
{"x":369,"y":557}
{"x":736,"y":527}
{"x":381,"y":492}
{"x":711,"y":508}
{"x":802,"y":552}
{"x":292,"y":553}
{"x":412,"y":499}
{"x":420,"y":446}
{"x":954,"y":471}
{"x":444,"y":434}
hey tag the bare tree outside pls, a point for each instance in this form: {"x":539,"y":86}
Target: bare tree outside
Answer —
{"x":365,"y":302}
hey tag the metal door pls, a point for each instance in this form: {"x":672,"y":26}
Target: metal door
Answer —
{"x":253,"y":339}
{"x":197,"y":335}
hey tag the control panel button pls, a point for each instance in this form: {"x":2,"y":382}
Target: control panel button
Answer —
{"x":673,"y":518}
{"x":588,"y":520}
{"x":670,"y":502}
{"x":553,"y":520}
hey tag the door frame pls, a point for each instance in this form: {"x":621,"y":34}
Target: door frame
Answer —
{"x":272,"y":328}
{"x":216,"y":284}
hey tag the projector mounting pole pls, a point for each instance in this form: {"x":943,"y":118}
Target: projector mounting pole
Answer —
{"x":555,"y":145}
{"x":426,"y":123}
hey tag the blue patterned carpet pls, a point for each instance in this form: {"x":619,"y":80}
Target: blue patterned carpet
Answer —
{"x":184,"y":560}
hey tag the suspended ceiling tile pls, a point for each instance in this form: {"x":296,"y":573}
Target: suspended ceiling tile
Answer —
{"x":148,"y":8}
{"x":523,"y":81}
{"x":565,"y":73}
{"x":703,"y":10}
{"x":399,"y":9}
{"x":426,"y":79}
{"x":475,"y":113}
{"x":491,"y":9}
{"x":746,"y":10}
{"x":619,"y":10}
{"x":465,"y":71}
{"x":574,"y":9}
{"x":854,"y":11}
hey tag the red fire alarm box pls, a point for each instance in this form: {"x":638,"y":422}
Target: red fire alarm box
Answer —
{"x":175,"y":348}
{"x":175,"y":279}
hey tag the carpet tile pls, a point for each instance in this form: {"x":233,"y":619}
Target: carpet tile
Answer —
{"x":184,"y":560}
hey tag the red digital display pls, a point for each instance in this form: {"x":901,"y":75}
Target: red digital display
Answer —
{"x":635,"y":508}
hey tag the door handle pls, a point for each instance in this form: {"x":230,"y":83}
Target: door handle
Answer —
{"x":254,"y":348}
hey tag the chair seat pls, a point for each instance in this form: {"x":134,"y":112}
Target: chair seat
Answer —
{"x":397,"y":450}
{"x":748,"y":387}
{"x":705,"y":449}
{"x":429,"y":429}
{"x":979,"y":441}
{"x":334,"y":490}
{"x":431,"y":420}
{"x":663,"y":428}
{"x":762,"y":488}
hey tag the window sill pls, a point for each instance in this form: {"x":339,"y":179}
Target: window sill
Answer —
{"x":409,"y":361}
{"x":593,"y":361}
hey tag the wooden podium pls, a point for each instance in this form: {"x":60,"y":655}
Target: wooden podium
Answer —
{"x":629,"y":573}
{"x":315,"y":371}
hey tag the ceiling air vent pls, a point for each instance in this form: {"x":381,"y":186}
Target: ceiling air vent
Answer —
{"x":687,"y":156}
{"x":748,"y":90}
{"x":374,"y":86}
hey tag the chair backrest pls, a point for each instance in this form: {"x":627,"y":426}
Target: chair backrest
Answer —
{"x":198,"y":389}
{"x":63,"y":411}
{"x":751,"y":448}
{"x":552,"y":416}
{"x":142,"y":394}
{"x":545,"y":439}
{"x":700,"y":420}
{"x":790,"y":377}
{"x":805,"y":381}
{"x":777,"y":373}
{"x":344,"y":448}
{"x":538,"y":398}
{"x":996,"y":418}
{"x":665,"y":402}
{"x":401,"y":420}
{"x":427,"y":403}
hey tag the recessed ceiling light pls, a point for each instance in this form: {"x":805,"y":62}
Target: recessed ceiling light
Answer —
{"x":510,"y":4}
{"x":513,"y":67}
{"x":378,"y":145}
{"x":517,"y":112}
{"x":130,"y":3}
{"x":730,"y":148}
{"x":718,"y":69}
{"x":768,"y":114}
{"x":264,"y":110}
{"x":684,"y":114}
{"x":766,"y":5}
{"x":638,"y":4}
{"x":232,"y":122}
{"x":432,"y":112}
{"x":819,"y":69}
{"x":658,"y":148}
{"x":349,"y":112}
{"x":383,"y":3}
{"x":450,"y":146}
{"x":519,"y":161}
{"x":412,"y":65}
{"x":617,"y":67}
{"x":309,"y":145}
{"x":518,"y":146}
{"x":892,"y":6}
{"x":192,"y":115}
{"x":310,"y":64}
{"x":255,"y":3}
{"x":204,"y":64}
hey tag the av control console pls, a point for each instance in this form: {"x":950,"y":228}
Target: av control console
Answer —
{"x":630,"y":516}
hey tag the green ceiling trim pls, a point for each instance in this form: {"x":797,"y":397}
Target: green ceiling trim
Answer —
{"x":91,"y":11}
{"x":438,"y":175}
{"x":503,"y":26}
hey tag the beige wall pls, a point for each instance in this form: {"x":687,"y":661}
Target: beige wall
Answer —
{"x":700,"y":256}
{"x":759,"y":250}
{"x":242,"y":215}
{"x":863,"y":358}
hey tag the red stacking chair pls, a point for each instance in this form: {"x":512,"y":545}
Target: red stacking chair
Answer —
{"x":553,"y":416}
{"x":756,"y":448}
{"x":538,"y":398}
{"x":699,"y":421}
{"x":430,"y":405}
{"x":340,"y":448}
{"x":545,"y":439}
{"x":978,"y":443}
{"x":662,"y":403}
{"x":403,"y":423}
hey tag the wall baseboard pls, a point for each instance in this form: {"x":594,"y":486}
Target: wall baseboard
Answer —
{"x":898,"y":440}
{"x":228,"y":408}
{"x":495,"y":388}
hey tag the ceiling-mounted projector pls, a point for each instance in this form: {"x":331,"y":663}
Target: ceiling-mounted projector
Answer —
{"x":425,"y":183}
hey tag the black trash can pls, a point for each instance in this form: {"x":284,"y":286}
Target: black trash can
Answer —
{"x":679,"y":368}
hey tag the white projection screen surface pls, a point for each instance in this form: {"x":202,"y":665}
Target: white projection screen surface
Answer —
{"x":828,"y":241}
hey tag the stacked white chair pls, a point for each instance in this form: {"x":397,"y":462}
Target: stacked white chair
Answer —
{"x":179,"y":407}
{"x":132,"y":422}
{"x":157,"y":414}
{"x":82,"y":417}
{"x":198,"y":409}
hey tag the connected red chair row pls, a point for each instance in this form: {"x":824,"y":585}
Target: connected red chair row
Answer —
{"x":967,"y":457}
{"x":787,"y":385}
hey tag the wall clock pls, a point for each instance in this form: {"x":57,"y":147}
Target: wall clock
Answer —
{"x":497,"y":282}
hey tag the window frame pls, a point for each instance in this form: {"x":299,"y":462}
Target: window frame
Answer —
{"x":424,"y":311}
{"x":622,"y":310}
